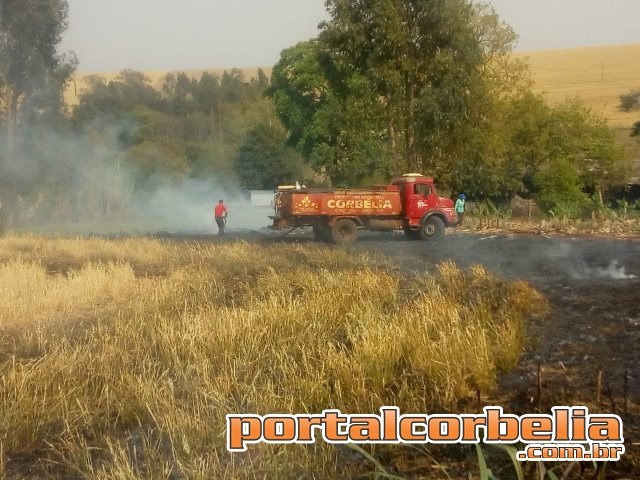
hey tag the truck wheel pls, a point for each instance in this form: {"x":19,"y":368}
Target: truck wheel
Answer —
{"x":322,"y":233}
{"x":344,"y":231}
{"x":431,"y":228}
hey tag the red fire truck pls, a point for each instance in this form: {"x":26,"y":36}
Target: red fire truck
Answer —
{"x":409,"y":203}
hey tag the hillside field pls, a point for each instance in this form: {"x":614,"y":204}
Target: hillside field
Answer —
{"x":597,"y":75}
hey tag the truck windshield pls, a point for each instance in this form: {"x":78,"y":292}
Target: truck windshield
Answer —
{"x":421,"y":189}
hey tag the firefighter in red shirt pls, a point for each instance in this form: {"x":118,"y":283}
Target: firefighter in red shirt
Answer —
{"x":220,"y":216}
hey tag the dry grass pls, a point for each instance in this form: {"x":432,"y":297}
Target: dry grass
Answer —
{"x":119,"y":359}
{"x":615,"y":227}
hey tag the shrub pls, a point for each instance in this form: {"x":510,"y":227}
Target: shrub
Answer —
{"x":559,"y":189}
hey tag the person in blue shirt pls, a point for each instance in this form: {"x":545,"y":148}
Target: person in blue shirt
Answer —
{"x":460,"y":208}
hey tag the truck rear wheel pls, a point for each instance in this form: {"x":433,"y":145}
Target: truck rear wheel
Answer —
{"x":344,"y":231}
{"x":432,"y":228}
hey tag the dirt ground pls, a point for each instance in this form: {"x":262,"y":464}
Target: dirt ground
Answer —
{"x":592,"y":333}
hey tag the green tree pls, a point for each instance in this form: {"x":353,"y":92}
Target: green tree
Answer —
{"x":425,"y":60}
{"x":156,"y":164}
{"x":264,"y":161}
{"x":395,"y":86}
{"x":476,"y":157}
{"x":129,"y":90}
{"x":299,"y":89}
{"x":30,"y":33}
{"x":32,"y":75}
{"x":179,"y":91}
{"x":559,"y":189}
{"x":332,"y":113}
{"x":550,"y":139}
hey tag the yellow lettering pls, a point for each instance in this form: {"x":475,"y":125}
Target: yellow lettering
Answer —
{"x":367,"y":204}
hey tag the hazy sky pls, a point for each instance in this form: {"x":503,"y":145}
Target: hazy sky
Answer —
{"x":166,"y":34}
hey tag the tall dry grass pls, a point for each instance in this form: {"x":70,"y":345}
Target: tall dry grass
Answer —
{"x":120,"y":359}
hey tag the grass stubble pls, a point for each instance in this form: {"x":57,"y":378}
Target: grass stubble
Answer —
{"x":119,"y":359}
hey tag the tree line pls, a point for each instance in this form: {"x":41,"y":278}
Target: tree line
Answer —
{"x":385,"y":88}
{"x":432,"y":86}
{"x":125,"y":139}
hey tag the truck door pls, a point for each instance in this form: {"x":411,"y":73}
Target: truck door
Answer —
{"x":420,"y":200}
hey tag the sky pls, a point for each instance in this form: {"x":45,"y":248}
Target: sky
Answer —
{"x":110,"y":35}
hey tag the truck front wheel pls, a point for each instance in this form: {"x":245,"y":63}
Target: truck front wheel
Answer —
{"x":344,"y":231}
{"x":432,"y":228}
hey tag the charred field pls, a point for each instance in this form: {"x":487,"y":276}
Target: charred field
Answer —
{"x":586,"y":352}
{"x":120,"y":355}
{"x":593,"y":285}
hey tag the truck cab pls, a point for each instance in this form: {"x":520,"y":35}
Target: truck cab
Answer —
{"x":426,"y":214}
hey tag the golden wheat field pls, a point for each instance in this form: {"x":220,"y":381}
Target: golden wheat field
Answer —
{"x":119,"y":359}
{"x":597,"y":75}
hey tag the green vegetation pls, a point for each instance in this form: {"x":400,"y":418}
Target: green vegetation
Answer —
{"x":120,"y":359}
{"x":385,"y":88}
{"x":32,"y":72}
{"x":125,"y":140}
{"x":264,"y":161}
{"x":630,"y":100}
{"x":440,"y":93}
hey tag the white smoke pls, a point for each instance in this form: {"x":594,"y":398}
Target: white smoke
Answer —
{"x":614,"y":271}
{"x":77,"y":183}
